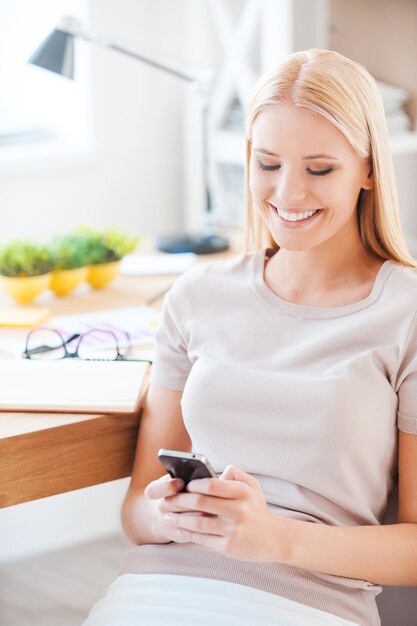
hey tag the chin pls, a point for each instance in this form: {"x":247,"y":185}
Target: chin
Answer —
{"x":292,"y":246}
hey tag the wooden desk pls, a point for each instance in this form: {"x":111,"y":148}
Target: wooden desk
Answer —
{"x":46,"y":454}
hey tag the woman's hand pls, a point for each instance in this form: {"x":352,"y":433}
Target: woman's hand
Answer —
{"x":232,"y":517}
{"x":161,"y":492}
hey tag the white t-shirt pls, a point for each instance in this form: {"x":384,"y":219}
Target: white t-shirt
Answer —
{"x":306,"y":399}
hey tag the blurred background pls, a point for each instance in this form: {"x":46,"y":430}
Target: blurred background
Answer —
{"x":122,"y":145}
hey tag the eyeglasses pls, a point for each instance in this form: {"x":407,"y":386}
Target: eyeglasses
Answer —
{"x":96,"y":344}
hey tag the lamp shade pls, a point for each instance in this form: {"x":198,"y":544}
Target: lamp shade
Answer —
{"x":56,"y":53}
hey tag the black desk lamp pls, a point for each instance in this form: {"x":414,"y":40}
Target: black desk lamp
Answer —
{"x":56,"y":54}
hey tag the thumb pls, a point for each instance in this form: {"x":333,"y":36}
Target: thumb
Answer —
{"x":231,"y":472}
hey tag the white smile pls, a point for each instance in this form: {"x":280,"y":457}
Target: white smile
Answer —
{"x":296,"y":217}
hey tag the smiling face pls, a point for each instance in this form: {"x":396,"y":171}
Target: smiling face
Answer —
{"x":305,"y":178}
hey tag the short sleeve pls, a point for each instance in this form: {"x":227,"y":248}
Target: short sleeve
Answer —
{"x":171,"y":364}
{"x":407,"y":386}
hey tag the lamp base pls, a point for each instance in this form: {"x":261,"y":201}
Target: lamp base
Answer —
{"x":199,"y":244}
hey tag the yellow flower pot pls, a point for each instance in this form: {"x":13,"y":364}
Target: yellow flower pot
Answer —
{"x":25,"y":288}
{"x":99,"y":275}
{"x":64,"y":281}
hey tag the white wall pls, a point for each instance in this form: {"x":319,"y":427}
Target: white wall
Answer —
{"x":134,"y":177}
{"x":405,"y":167}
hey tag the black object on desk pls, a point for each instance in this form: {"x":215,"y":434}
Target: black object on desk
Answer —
{"x":199,"y":244}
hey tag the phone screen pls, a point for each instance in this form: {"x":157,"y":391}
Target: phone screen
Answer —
{"x":187,"y":469}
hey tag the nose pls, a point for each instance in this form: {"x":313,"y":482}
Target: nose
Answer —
{"x":290,"y":188}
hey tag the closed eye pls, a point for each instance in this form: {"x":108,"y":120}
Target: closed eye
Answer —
{"x":272,"y":168}
{"x":267,"y":168}
{"x":320,"y":172}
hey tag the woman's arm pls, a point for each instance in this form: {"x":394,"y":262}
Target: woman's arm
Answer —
{"x":240,"y":525}
{"x":386,"y":555}
{"x":161,"y":426}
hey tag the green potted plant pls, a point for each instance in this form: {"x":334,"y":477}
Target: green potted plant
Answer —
{"x":26,"y":269}
{"x":106,"y":248}
{"x":70,"y":254}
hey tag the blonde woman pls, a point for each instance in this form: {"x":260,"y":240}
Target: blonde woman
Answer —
{"x":293,"y":368}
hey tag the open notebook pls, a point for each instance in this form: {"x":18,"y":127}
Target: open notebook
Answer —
{"x":72,"y":386}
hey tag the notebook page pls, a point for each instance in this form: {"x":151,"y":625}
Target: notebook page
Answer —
{"x":71,"y":385}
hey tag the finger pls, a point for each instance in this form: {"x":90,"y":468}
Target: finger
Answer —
{"x":163,"y":487}
{"x":215,"y":542}
{"x":196,"y":523}
{"x":166,"y":505}
{"x":219,"y":488}
{"x":231,"y":472}
{"x":172,"y":534}
{"x":199,"y":502}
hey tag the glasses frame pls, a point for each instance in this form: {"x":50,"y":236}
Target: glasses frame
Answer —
{"x":27,"y":353}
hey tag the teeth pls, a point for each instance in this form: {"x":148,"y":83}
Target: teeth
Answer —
{"x":295,"y":217}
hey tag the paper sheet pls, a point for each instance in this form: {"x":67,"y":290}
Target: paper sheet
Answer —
{"x":140,"y":322}
{"x":157,"y":264}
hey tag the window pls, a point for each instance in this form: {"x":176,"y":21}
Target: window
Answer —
{"x":41,"y":113}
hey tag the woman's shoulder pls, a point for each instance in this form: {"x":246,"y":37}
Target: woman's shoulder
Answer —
{"x":399,"y":291}
{"x":402,"y":278}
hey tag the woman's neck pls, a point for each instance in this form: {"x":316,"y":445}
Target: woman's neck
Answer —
{"x":323,"y":277}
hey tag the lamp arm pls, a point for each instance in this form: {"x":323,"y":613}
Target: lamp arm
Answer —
{"x":139,"y":57}
{"x":72,"y":26}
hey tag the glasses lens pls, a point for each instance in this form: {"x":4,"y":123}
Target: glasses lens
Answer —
{"x":45,"y":344}
{"x":98,"y":344}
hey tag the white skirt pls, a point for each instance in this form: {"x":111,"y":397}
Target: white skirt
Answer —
{"x":168,"y":600}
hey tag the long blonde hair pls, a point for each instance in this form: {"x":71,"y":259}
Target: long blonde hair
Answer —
{"x":345,"y":94}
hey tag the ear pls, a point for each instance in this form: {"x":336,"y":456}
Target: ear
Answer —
{"x":369,"y":181}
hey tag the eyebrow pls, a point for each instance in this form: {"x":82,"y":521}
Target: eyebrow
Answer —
{"x":306,"y":158}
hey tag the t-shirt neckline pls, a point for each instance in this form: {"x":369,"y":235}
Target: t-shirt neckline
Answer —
{"x":313,"y":312}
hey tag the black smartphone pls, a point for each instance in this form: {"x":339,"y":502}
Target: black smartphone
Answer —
{"x":186,"y":465}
